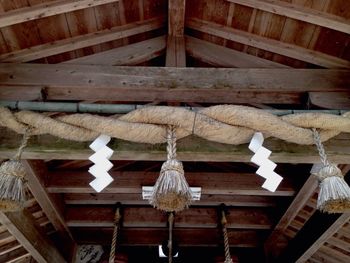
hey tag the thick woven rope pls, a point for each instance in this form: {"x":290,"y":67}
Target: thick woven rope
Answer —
{"x":224,"y":123}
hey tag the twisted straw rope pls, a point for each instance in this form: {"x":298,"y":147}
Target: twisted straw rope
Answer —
{"x":117,"y":218}
{"x":228,"y":258}
{"x":223,"y":123}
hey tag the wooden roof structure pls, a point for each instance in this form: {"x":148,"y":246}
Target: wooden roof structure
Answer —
{"x":270,"y":54}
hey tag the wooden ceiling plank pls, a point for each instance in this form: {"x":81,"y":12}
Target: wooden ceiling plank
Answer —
{"x":276,"y":242}
{"x":135,"y":199}
{"x":298,"y":12}
{"x":189,"y":149}
{"x":194,"y":217}
{"x":268,"y":44}
{"x":175,"y":52}
{"x":176,"y":17}
{"x":52,"y":205}
{"x":225,"y":57}
{"x":47,"y":9}
{"x":127,"y":55}
{"x":81,"y":41}
{"x":14,"y":256}
{"x":22,"y":225}
{"x":330,"y":100}
{"x":333,"y":256}
{"x":155,"y":236}
{"x":131,"y":182}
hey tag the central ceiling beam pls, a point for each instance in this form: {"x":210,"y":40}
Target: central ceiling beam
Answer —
{"x":80,"y":82}
{"x":23,"y":227}
{"x":299,"y":12}
{"x":189,"y":149}
{"x":176,"y":14}
{"x":47,"y":9}
{"x":268,"y":44}
{"x":81,"y":41}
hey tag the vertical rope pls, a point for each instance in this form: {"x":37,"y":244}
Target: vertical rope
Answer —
{"x":228,"y":258}
{"x":170,"y":241}
{"x":117,"y":217}
{"x":24,"y":142}
{"x":171,"y":140}
{"x":320,"y":147}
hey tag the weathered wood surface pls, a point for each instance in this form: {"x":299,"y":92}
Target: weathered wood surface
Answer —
{"x":189,"y":149}
{"x":175,"y":52}
{"x":298,"y":12}
{"x":22,"y":226}
{"x":176,"y":17}
{"x":81,"y":82}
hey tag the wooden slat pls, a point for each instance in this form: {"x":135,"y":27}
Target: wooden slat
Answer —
{"x":225,"y":57}
{"x":298,"y":12}
{"x":175,"y":52}
{"x":79,"y":82}
{"x":194,"y":217}
{"x":176,"y":19}
{"x":82,"y":41}
{"x":344,"y":218}
{"x":330,"y":100}
{"x":135,"y":199}
{"x":332,"y":255}
{"x":131,"y":182}
{"x":268,"y":44}
{"x":47,"y":9}
{"x":127,"y":55}
{"x":14,"y":256}
{"x":189,"y":149}
{"x":50,"y":204}
{"x":22,"y":226}
{"x":155,"y":236}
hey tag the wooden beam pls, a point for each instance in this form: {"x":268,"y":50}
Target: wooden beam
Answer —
{"x":131,"y":182}
{"x":189,"y":149}
{"x":81,"y":41}
{"x":79,"y":82}
{"x":268,"y":44}
{"x":220,"y":56}
{"x":299,"y":12}
{"x":330,"y":100}
{"x":135,"y":199}
{"x":194,"y":217}
{"x":52,"y":8}
{"x":175,"y":52}
{"x":128,"y":55}
{"x":155,"y":236}
{"x":52,"y":205}
{"x":176,"y":19}
{"x":22,"y":226}
{"x":276,"y":242}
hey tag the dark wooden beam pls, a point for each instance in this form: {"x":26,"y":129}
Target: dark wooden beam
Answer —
{"x":51,"y":204}
{"x":194,"y":217}
{"x":131,"y":182}
{"x":189,"y":149}
{"x":80,"y":82}
{"x":155,"y":236}
{"x":22,"y":226}
{"x":176,"y":17}
{"x":135,"y":199}
{"x":330,"y":100}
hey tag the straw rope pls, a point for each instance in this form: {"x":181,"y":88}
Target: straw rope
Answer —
{"x":228,"y":258}
{"x":117,"y":218}
{"x":224,"y":123}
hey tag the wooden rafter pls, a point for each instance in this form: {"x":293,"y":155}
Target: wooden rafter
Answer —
{"x":299,"y":13}
{"x":79,"y":82}
{"x":22,"y":226}
{"x":189,"y":149}
{"x":128,"y":55}
{"x":81,"y":41}
{"x":217,"y":55}
{"x":52,"y":205}
{"x":175,"y":52}
{"x":47,"y":9}
{"x":176,"y":19}
{"x":268,"y":44}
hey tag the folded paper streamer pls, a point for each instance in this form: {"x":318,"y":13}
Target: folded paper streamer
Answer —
{"x":101,"y":163}
{"x":266,"y":166}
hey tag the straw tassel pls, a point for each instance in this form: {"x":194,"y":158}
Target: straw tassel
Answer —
{"x":171,"y":193}
{"x":334,"y":194}
{"x":12,"y":181}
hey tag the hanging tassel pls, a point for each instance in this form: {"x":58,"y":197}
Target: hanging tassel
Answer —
{"x":12,"y":181}
{"x":171,"y":192}
{"x":334,"y":194}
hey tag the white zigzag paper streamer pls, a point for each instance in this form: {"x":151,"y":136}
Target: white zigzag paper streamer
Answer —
{"x":266,"y":166}
{"x":101,"y":163}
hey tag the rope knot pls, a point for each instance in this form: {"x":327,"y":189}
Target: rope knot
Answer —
{"x":172,"y":165}
{"x":327,"y":171}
